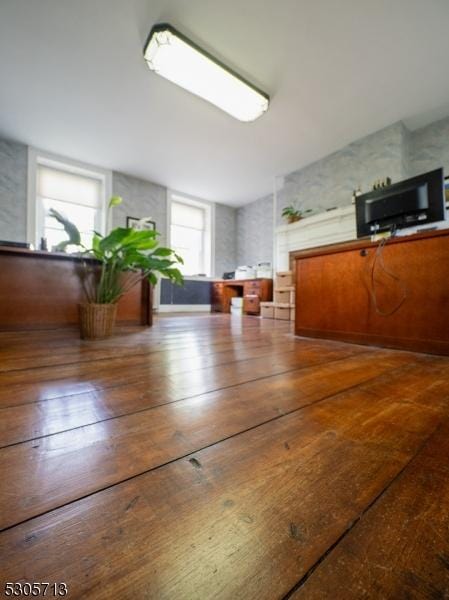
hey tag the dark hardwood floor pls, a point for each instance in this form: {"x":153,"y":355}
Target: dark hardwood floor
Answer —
{"x":217,"y":457}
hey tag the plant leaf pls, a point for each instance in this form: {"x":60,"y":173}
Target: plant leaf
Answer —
{"x":115,"y":201}
{"x":162,"y":252}
{"x":113,"y":239}
{"x":70,"y":228}
{"x":152,"y":278}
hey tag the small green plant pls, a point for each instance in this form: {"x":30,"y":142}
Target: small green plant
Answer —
{"x":123,"y":250}
{"x":293,"y":214}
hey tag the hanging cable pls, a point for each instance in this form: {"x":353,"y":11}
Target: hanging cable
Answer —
{"x":379,"y":260}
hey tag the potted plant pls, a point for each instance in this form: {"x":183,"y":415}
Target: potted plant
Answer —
{"x":293,"y":214}
{"x":115,"y":264}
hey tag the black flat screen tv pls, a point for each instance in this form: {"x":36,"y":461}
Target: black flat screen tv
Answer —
{"x":415,"y":201}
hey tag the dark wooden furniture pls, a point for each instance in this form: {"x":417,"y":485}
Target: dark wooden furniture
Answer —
{"x":253,"y":292}
{"x":334,"y":293}
{"x":201,"y":458}
{"x":40,"y":290}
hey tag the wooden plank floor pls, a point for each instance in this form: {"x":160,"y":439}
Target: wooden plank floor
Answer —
{"x":215,"y":457}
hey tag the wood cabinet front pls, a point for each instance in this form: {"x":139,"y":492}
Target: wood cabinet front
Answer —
{"x":41,"y":290}
{"x":395,"y":296}
{"x":217,"y":297}
{"x":252,"y":287}
{"x":251,"y":305}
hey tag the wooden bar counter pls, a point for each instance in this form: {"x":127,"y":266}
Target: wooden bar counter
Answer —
{"x":41,"y":290}
{"x":410,"y":307}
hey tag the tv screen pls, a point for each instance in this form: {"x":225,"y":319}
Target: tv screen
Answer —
{"x":415,"y":201}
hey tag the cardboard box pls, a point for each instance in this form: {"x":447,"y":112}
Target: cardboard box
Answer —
{"x":286,"y":288}
{"x":282,"y":313}
{"x":283,"y":279}
{"x":284,"y":297}
{"x":267,"y":310}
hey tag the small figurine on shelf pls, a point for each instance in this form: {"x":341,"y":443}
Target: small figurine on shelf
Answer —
{"x":43,"y":245}
{"x":382,"y":183}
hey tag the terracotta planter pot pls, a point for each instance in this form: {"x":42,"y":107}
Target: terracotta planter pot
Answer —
{"x":97,"y":320}
{"x":294,"y":219}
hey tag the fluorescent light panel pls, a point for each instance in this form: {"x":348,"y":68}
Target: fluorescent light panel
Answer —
{"x":171,"y":55}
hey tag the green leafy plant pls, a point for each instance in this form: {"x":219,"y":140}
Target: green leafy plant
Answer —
{"x":70,"y":229}
{"x":293,"y":214}
{"x":135,"y":253}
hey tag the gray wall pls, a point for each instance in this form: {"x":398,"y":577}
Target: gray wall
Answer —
{"x":13,"y":191}
{"x":244,"y":235}
{"x":255,"y":232}
{"x":394,"y":152}
{"x":225,"y":239}
{"x":141,"y":199}
{"x":429,"y":147}
{"x":330,"y":181}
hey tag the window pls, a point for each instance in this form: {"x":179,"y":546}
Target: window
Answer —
{"x":191,"y":233}
{"x":79,"y":193}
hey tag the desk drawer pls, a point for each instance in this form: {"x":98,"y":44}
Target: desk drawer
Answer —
{"x":251,"y":304}
{"x":252,"y":288}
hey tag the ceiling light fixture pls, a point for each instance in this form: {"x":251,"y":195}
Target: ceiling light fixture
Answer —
{"x":171,"y":55}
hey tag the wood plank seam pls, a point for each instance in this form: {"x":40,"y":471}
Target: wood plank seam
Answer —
{"x":90,"y":360}
{"x":143,"y":377}
{"x":192,"y":452}
{"x":329,"y":550}
{"x":148,"y":408}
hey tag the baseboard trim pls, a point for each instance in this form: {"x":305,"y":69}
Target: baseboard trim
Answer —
{"x":428,"y":346}
{"x":165,"y":308}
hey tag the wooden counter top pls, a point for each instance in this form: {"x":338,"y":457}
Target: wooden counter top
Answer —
{"x":362,"y":243}
{"x":40,"y":254}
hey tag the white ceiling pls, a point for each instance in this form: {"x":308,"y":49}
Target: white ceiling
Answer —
{"x":73,"y":81}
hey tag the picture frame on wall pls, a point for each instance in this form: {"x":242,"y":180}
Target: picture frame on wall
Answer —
{"x":140,"y":224}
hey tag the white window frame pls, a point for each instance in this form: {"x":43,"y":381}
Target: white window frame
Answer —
{"x":35,"y":217}
{"x":209,"y":233}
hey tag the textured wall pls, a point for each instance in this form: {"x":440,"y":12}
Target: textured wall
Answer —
{"x":429,"y":148}
{"x":406,"y":135}
{"x":330,"y":181}
{"x":141,"y":198}
{"x":13,"y":191}
{"x":244,"y":235}
{"x":255,"y":232}
{"x":225,"y":239}
{"x":394,"y":152}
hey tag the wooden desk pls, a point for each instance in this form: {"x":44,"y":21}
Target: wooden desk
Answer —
{"x":41,"y":290}
{"x":333,"y":298}
{"x":253,"y":292}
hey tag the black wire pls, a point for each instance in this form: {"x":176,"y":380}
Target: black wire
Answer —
{"x":379,"y":258}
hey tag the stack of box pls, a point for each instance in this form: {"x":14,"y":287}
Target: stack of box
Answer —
{"x":283,"y":306}
{"x":237,"y":306}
